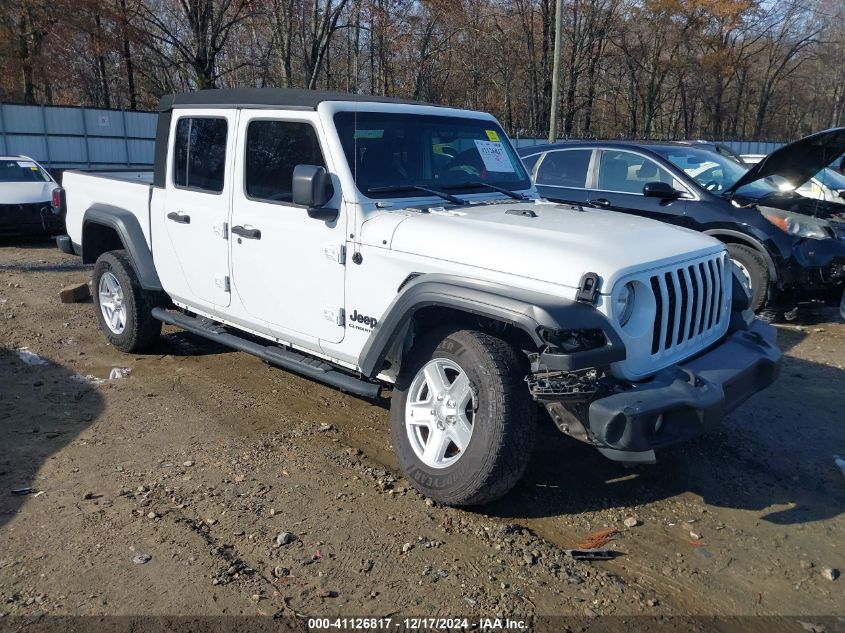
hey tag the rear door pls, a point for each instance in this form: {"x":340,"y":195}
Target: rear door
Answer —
{"x":287,"y":268}
{"x":561,"y":175}
{"x":618,"y":185}
{"x":193,"y":255}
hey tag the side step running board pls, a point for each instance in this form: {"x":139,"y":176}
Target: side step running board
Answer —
{"x":313,"y":368}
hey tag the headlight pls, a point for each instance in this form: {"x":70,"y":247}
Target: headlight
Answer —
{"x":797,"y":224}
{"x":623,"y":305}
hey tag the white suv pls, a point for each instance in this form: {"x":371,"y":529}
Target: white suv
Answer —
{"x":370,"y":243}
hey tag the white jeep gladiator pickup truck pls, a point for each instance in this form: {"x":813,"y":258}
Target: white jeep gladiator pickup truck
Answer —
{"x":369,"y":243}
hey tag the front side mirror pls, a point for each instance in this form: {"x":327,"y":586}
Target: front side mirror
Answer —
{"x":659,"y":189}
{"x":312,"y":189}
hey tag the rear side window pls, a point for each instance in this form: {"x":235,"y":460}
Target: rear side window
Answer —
{"x":627,"y":172}
{"x":565,"y":168}
{"x":199,"y":153}
{"x":273,"y":149}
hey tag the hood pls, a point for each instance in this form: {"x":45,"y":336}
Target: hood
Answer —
{"x":26,"y":192}
{"x":548,"y":242}
{"x":798,"y":161}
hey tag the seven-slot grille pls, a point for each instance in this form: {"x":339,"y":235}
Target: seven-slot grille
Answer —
{"x":689,"y":302}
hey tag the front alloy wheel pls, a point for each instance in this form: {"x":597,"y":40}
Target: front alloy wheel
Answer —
{"x":439,"y":413}
{"x":753,"y":273}
{"x":744,"y":277}
{"x":461,"y":418}
{"x":842,"y":307}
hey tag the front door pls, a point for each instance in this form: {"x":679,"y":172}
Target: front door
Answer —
{"x":621,"y":178}
{"x":193,"y":256}
{"x":287,"y":268}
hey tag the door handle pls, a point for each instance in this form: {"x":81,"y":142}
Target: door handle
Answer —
{"x":599,"y":202}
{"x":179,"y":217}
{"x":250,"y":234}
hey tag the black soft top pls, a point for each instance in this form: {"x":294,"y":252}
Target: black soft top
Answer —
{"x":267,"y":98}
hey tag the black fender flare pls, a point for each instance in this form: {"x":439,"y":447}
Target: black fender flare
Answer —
{"x":128,"y":229}
{"x":751,"y":241}
{"x":532,"y":312}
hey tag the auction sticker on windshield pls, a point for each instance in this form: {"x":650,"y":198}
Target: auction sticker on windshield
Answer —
{"x":494,"y":156}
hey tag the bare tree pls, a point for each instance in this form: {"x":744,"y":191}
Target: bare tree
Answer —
{"x":195,"y":33}
{"x":792,"y":31}
{"x":646,"y":68}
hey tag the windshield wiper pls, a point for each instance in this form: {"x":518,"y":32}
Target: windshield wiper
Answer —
{"x":507,"y":192}
{"x":434,"y":192}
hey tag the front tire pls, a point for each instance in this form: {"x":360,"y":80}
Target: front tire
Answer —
{"x":123,"y":307}
{"x":462,"y":420}
{"x":753,"y":272}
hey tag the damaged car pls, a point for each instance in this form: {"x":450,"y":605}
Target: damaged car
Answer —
{"x":787,"y":248}
{"x":29,"y":199}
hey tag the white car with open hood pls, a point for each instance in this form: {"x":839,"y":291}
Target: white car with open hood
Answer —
{"x":372,"y":244}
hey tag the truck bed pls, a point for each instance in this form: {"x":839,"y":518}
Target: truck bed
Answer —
{"x":128,"y":190}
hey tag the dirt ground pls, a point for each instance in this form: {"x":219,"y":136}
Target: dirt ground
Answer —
{"x":198,"y":459}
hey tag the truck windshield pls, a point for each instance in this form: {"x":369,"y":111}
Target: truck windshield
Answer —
{"x":394,"y":154}
{"x":21,"y":171}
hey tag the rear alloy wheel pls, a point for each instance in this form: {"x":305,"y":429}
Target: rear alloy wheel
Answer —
{"x":462,"y":420}
{"x":111,"y":303}
{"x":124,"y":309}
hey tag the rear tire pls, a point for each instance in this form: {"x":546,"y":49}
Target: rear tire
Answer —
{"x":124,"y":309}
{"x":482,"y":418}
{"x":752,"y":268}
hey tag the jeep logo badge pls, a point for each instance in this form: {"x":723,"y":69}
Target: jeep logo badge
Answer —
{"x":360,"y":318}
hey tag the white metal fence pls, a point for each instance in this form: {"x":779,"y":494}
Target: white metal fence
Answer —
{"x":63,"y":137}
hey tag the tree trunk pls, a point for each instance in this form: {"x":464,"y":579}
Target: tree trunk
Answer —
{"x":101,"y":62}
{"x":127,"y":57}
{"x":26,"y":60}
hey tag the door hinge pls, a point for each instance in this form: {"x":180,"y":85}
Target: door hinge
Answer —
{"x":335,"y":252}
{"x":335,"y":314}
{"x":222,"y":229}
{"x":222,"y":282}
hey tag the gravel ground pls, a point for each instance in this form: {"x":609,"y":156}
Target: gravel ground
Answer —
{"x":205,"y":482}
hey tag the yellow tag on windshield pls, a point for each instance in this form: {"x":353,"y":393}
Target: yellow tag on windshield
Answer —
{"x":492,"y":135}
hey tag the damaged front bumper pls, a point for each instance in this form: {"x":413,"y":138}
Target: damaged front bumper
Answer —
{"x":815,"y":271}
{"x":684,"y":401}
{"x":676,"y":404}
